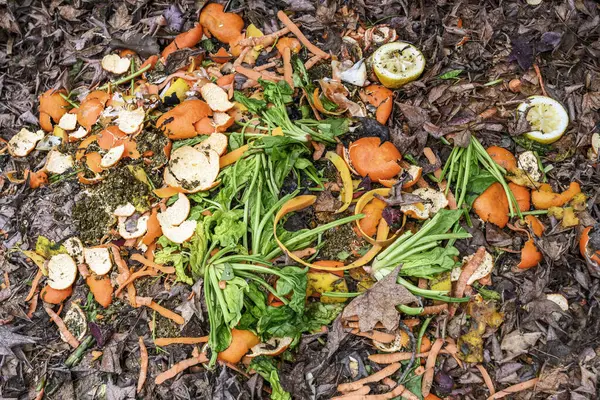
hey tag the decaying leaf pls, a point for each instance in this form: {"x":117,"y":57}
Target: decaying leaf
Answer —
{"x":378,"y":304}
{"x":9,"y":340}
{"x":517,"y":343}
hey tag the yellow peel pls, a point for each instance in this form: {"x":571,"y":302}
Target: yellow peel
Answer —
{"x":360,"y":205}
{"x":342,"y":168}
{"x":37,"y":259}
{"x":232,"y":156}
{"x":301,"y":202}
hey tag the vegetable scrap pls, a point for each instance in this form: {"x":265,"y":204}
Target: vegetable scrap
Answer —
{"x":323,"y":212}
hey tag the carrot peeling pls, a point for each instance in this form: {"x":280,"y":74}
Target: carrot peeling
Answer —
{"x":133,"y":277}
{"x":381,"y":337}
{"x":143,"y":365}
{"x":468,"y":270}
{"x":296,"y":31}
{"x":514,"y":389}
{"x":255,"y":75}
{"x":376,"y":377}
{"x":390,"y":358}
{"x":180,"y":340}
{"x":165,"y":312}
{"x":430,"y":366}
{"x":432,"y":310}
{"x":311,"y":62}
{"x":179,"y":367}
{"x":73,"y":342}
{"x":359,"y":392}
{"x":34,"y":285}
{"x":265,"y":40}
{"x":161,"y":268}
{"x":32,"y":306}
{"x":287,"y":66}
{"x":486,"y":378}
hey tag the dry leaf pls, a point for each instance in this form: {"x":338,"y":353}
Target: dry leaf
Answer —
{"x":378,"y":304}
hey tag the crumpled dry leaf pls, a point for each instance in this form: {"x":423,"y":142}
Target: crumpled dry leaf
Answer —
{"x":551,"y":381}
{"x":9,"y":340}
{"x":522,"y":52}
{"x":174,"y":18}
{"x":121,"y":19}
{"x":378,"y":304}
{"x":114,"y":392}
{"x":326,"y":202}
{"x":517,"y":343}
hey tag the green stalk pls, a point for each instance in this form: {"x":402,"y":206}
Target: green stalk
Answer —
{"x":463,"y":190}
{"x":401,"y":239}
{"x":220,"y":298}
{"x":412,"y":240}
{"x":431,"y":294}
{"x":77,"y":355}
{"x":127,"y":78}
{"x":410,"y":310}
{"x":66,"y":98}
{"x":263,"y":283}
{"x":396,"y":259}
{"x":132,"y":71}
{"x":425,"y":244}
{"x":257,"y":236}
{"x":449,"y":165}
{"x":212,"y":322}
{"x":240,"y":258}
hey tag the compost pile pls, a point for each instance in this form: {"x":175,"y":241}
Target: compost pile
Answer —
{"x":299,"y":200}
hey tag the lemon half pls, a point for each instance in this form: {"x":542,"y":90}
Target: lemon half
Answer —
{"x":547,"y":117}
{"x":397,"y":63}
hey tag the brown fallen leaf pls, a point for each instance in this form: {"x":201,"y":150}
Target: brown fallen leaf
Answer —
{"x":378,"y":304}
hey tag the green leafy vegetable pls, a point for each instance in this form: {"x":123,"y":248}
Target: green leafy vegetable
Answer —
{"x":264,"y":367}
{"x":453,"y":74}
